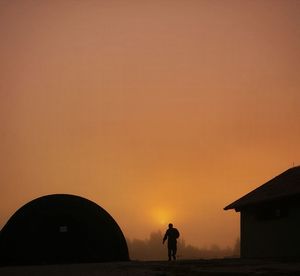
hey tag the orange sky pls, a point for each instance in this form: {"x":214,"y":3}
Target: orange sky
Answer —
{"x":157,"y":110}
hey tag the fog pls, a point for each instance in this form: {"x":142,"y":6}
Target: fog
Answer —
{"x":153,"y":249}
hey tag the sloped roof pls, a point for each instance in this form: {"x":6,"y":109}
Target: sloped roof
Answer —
{"x":286,"y":184}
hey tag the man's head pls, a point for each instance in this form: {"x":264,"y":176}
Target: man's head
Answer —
{"x":170,"y":225}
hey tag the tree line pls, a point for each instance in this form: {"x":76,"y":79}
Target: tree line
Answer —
{"x":153,"y":249}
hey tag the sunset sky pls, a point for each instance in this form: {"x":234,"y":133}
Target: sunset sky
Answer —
{"x":159,"y":111}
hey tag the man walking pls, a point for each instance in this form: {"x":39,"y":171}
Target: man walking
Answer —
{"x":172,"y":234}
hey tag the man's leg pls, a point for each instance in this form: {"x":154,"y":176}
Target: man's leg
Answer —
{"x":169,"y":253}
{"x":174,"y":252}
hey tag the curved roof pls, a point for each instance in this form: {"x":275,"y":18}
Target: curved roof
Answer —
{"x":61,"y":228}
{"x":285,"y":185}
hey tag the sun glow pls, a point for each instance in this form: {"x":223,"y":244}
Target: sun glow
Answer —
{"x":161,"y":216}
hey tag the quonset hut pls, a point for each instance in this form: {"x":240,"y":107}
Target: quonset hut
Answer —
{"x":270,"y":218}
{"x":61,"y":228}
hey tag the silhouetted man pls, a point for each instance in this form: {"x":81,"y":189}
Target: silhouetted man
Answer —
{"x":172,"y":234}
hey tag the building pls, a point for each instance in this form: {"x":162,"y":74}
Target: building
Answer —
{"x":60,"y":229}
{"x":270,"y":218}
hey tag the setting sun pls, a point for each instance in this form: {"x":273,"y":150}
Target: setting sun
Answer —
{"x":162,"y":216}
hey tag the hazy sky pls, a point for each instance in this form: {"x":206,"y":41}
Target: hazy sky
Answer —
{"x":159,"y":111}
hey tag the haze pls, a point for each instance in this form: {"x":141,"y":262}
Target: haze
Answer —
{"x":159,"y":111}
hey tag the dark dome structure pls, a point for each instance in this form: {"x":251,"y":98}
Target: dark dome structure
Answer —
{"x":61,"y":228}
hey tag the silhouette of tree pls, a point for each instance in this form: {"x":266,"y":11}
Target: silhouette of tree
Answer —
{"x":236,"y":248}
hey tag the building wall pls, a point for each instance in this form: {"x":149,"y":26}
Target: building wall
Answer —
{"x":271,"y":231}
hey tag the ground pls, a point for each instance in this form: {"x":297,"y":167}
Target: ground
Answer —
{"x":222,"y":267}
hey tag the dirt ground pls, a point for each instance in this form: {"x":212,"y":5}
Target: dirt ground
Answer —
{"x":222,"y":267}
